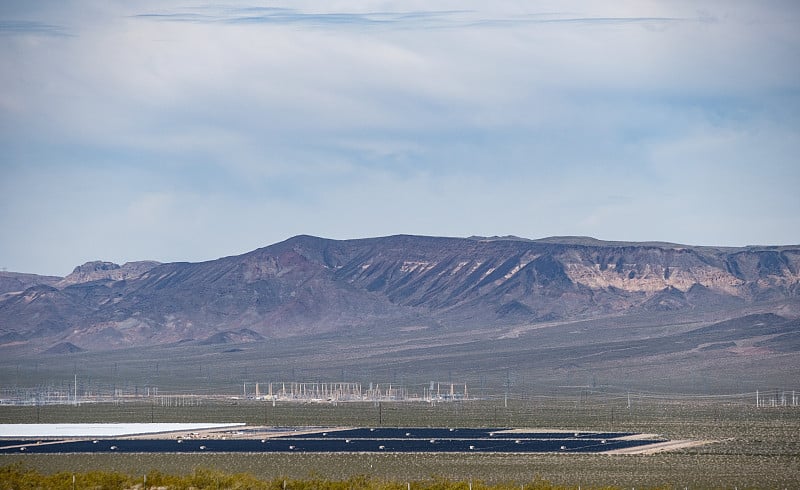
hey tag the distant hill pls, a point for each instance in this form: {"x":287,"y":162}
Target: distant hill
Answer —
{"x":241,"y":336}
{"x":309,"y":286}
{"x":63,"y":348}
{"x":16,"y":281}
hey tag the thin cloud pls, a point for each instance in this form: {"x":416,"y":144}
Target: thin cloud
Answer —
{"x":286,"y":16}
{"x":415,"y":19}
{"x":18,"y":27}
{"x":607,"y":20}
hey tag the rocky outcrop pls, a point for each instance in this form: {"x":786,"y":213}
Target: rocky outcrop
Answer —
{"x":99,"y":271}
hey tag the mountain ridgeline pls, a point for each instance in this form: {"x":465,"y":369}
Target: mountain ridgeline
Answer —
{"x":313,"y":286}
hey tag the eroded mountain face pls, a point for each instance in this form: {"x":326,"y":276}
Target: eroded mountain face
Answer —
{"x":309,"y":285}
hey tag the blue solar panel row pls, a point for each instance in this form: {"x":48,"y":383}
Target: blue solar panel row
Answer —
{"x":440,"y":433}
{"x":353,"y":441}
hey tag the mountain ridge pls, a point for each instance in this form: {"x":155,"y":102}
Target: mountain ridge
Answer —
{"x":308,"y":285}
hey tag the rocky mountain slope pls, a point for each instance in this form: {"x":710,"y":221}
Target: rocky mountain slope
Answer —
{"x":16,"y":281}
{"x":311,"y":286}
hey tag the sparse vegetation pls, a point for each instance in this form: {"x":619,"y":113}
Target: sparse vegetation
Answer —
{"x":754,"y":448}
{"x":18,"y":476}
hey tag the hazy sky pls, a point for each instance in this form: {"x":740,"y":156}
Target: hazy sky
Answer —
{"x":188,"y":131}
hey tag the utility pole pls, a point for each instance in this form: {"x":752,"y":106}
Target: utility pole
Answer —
{"x":508,"y":386}
{"x":612,"y":417}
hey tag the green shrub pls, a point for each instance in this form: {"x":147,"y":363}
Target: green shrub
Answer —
{"x":17,"y":477}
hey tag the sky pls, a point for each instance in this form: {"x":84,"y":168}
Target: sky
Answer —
{"x":187,"y":131}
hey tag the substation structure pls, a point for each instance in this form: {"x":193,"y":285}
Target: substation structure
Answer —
{"x":354,"y":392}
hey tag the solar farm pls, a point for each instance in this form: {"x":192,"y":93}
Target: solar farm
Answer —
{"x":323,"y":440}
